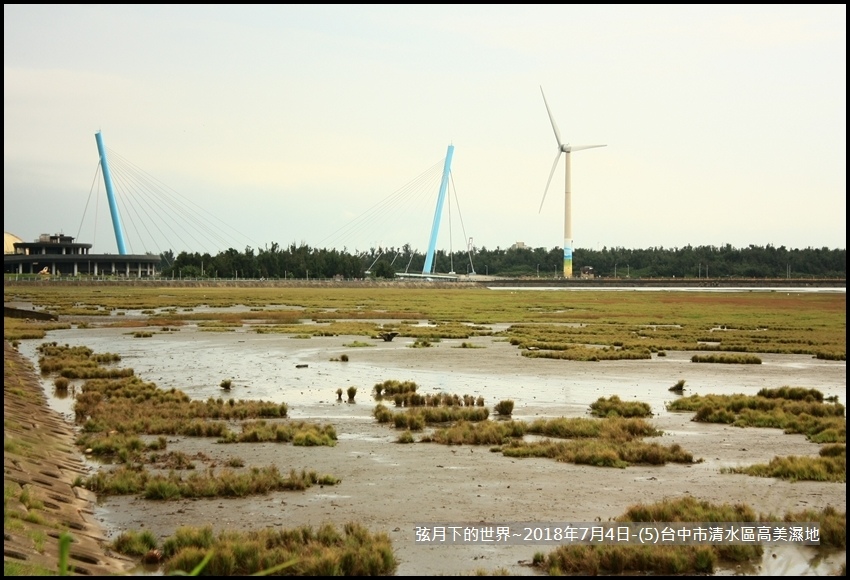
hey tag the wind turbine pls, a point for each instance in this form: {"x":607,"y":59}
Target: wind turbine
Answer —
{"x":568,"y":225}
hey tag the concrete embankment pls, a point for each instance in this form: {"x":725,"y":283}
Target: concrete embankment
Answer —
{"x":41,"y":460}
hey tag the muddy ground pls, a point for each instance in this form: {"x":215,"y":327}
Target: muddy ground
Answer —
{"x":392,"y":487}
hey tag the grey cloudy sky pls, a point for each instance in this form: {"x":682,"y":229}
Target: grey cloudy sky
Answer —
{"x":724,"y":124}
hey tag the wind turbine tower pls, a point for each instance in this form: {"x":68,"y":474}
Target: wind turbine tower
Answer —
{"x":568,"y":223}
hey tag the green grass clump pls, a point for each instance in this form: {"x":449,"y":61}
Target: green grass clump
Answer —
{"x":453,"y":413}
{"x":412,"y":399}
{"x":382,"y":414}
{"x":795,"y":468}
{"x":615,"y":407}
{"x":833,"y":450}
{"x":478,"y":433}
{"x":740,"y":359}
{"x":832,"y":523}
{"x":409,"y":421}
{"x":297,"y":433}
{"x":830,"y":355}
{"x":610,"y":442}
{"x":612,"y":431}
{"x":392,"y":387}
{"x":688,"y":509}
{"x":469,"y":345}
{"x":315,"y":437}
{"x":78,"y":362}
{"x":436,"y":331}
{"x":504,"y":408}
{"x":415,"y":418}
{"x":171,"y":460}
{"x":585,"y":353}
{"x":803,"y":413}
{"x":130,"y":480}
{"x":304,"y":551}
{"x":606,"y":559}
{"x":792,"y":394}
{"x":599,"y":452}
{"x":136,"y":544}
{"x":611,"y":428}
{"x":119,"y":447}
{"x":657,"y":559}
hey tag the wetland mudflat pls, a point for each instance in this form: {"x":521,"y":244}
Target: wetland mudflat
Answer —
{"x":391,"y":487}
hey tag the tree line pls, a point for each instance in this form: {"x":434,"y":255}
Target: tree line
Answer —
{"x":305,"y":262}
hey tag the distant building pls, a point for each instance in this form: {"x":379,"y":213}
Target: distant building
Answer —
{"x":587,"y":272}
{"x":9,"y":241}
{"x":519,"y":246}
{"x":58,"y":255}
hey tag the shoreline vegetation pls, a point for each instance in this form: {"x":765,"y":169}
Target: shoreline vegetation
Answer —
{"x":305,"y":262}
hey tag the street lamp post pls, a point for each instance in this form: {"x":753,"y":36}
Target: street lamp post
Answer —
{"x":615,"y":269}
{"x":538,"y":270}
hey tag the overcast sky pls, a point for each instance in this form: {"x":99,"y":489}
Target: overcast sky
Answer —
{"x":317,"y":124}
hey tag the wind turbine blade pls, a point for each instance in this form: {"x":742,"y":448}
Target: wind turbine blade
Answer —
{"x":552,"y":120}
{"x":551,"y":173}
{"x":580,"y":147}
